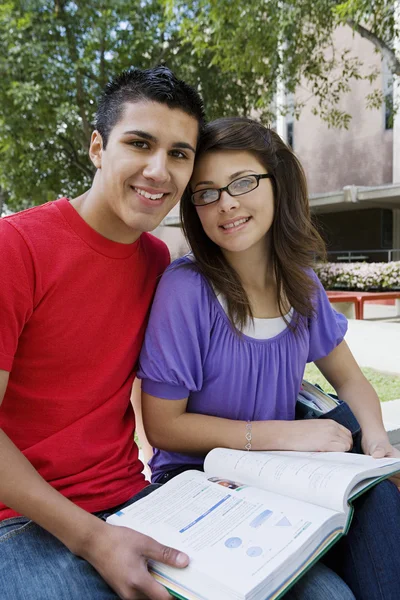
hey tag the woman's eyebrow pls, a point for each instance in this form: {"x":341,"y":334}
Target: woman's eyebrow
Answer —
{"x":238,"y":173}
{"x":231,"y":177}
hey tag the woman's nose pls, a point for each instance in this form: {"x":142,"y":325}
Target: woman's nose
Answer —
{"x":227,"y":202}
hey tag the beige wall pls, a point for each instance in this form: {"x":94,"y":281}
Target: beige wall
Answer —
{"x":174,"y":239}
{"x":172,"y":236}
{"x":361,"y":155}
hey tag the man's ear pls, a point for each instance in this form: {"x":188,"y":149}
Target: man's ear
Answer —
{"x":96,"y":149}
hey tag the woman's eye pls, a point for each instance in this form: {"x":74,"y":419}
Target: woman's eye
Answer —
{"x":243,"y":183}
{"x":207,"y":195}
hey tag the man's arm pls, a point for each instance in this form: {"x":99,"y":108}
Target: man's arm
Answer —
{"x":117,"y":553}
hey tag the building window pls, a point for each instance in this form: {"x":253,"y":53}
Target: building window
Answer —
{"x":387,"y":228}
{"x":387,"y":81}
{"x":389,"y":111}
{"x":289,"y":134}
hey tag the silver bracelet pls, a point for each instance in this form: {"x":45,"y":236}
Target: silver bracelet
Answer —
{"x":248,"y":435}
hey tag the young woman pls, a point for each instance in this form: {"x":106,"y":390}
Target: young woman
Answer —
{"x":233,"y":326}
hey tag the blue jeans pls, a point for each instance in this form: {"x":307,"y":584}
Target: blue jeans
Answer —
{"x":34,"y":565}
{"x":367,"y":558}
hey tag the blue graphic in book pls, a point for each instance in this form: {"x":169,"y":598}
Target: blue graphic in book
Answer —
{"x":233,"y":542}
{"x":254,"y":551}
{"x":261,"y":518}
{"x":284,"y":522}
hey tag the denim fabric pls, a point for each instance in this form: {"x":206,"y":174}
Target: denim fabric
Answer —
{"x":368,"y":557}
{"x":34,"y":565}
{"x":320,"y":583}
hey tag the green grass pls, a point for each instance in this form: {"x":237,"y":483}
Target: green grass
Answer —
{"x":387,"y":386}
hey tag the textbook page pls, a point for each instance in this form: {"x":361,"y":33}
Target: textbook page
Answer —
{"x":236,"y":536}
{"x":322,"y":478}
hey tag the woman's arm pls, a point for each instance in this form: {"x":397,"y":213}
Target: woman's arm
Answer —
{"x":344,"y":374}
{"x":169,"y":427}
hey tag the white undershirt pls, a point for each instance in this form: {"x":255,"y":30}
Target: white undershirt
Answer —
{"x":261,"y":329}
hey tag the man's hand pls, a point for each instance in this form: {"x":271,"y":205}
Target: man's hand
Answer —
{"x":319,"y":435}
{"x":379,"y":446}
{"x":120,"y":556}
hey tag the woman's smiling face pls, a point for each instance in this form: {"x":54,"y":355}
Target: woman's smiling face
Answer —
{"x":235,"y":223}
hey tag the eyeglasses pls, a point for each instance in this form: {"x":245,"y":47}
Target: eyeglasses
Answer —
{"x":237,"y":187}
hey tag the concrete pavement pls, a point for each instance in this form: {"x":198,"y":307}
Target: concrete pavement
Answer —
{"x":375,"y":344}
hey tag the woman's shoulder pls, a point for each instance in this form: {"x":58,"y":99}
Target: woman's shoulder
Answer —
{"x":184,"y":277}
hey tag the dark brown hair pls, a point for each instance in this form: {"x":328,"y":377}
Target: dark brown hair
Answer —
{"x":294,"y":240}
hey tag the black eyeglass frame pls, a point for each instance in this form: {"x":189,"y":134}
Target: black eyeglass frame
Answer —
{"x":226,"y":188}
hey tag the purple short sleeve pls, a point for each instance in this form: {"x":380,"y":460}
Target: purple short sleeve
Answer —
{"x":177,"y":336}
{"x":327,"y":327}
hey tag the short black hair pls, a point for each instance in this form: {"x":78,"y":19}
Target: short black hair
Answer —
{"x":136,"y":85}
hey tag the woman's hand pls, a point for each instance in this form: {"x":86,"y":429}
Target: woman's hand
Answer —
{"x":377,"y":444}
{"x":318,"y":435}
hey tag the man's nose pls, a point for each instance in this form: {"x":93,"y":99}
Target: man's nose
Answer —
{"x":227,"y":202}
{"x":157,"y":167}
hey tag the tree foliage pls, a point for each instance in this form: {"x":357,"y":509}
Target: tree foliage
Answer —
{"x":259,"y":42}
{"x":56,"y":56}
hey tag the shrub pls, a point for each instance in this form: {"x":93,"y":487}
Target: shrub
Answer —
{"x":359,"y":276}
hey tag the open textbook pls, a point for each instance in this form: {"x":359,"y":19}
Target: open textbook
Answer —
{"x":253,"y":522}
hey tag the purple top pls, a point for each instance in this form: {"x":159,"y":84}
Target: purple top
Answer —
{"x":191,"y":350}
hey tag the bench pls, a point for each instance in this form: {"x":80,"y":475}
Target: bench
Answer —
{"x":371,"y":296}
{"x":360,"y":298}
{"x":351,"y":297}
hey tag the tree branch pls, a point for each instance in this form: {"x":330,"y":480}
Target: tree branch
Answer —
{"x":75,"y":157}
{"x":102,"y":59}
{"x":80,"y":91}
{"x":389,"y":54}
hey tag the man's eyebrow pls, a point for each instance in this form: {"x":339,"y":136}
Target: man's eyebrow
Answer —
{"x":231,"y":177}
{"x":143,"y":134}
{"x":185,"y":146}
{"x":152,"y":138}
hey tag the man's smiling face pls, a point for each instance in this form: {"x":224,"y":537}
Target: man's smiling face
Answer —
{"x":143,"y":170}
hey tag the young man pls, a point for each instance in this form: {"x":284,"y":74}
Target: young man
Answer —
{"x":77,"y":279}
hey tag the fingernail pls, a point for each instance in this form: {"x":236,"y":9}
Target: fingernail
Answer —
{"x":181,"y":559}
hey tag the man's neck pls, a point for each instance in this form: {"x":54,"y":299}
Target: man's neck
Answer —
{"x":89,"y":206}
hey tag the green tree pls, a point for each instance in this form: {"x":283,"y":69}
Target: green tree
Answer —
{"x":55,"y":58}
{"x":259,"y":42}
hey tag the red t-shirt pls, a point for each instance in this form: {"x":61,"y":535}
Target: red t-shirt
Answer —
{"x":73,"y":310}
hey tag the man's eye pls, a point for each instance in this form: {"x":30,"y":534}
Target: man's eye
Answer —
{"x":139,"y":144}
{"x":178,"y":154}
